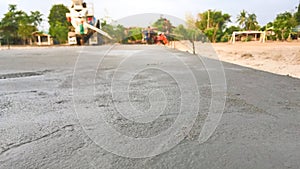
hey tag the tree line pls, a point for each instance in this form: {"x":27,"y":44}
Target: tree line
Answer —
{"x":17,"y":26}
{"x":213,"y":24}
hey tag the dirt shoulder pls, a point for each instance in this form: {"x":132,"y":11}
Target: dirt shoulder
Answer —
{"x":276,"y":57}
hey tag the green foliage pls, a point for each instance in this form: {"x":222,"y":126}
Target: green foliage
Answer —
{"x":59,"y":26}
{"x":209,"y":33}
{"x":252,"y":23}
{"x":212,"y":23}
{"x":242,"y":19}
{"x":163,"y":25}
{"x":226,"y":35}
{"x":35,"y":18}
{"x":60,"y":32}
{"x":267,"y":27}
{"x":135,"y":34}
{"x":182,"y":33}
{"x":247,"y":21}
{"x":28,"y":24}
{"x":9,"y":24}
{"x":103,"y":23}
{"x":25,"y":29}
{"x":232,"y":29}
{"x":18,"y":25}
{"x":297,"y":15}
{"x":283,"y":25}
{"x":116,"y":32}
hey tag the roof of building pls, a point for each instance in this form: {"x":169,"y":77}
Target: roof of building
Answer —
{"x":40,"y":34}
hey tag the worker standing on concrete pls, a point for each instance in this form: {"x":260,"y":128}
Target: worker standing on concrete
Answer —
{"x":81,"y":29}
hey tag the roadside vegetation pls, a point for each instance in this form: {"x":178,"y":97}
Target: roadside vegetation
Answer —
{"x":17,"y":26}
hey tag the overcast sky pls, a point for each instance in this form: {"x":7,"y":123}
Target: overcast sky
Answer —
{"x":266,"y":10}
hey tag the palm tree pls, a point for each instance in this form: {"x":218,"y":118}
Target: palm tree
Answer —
{"x":36,"y":17}
{"x":242,"y":19}
{"x":251,"y":22}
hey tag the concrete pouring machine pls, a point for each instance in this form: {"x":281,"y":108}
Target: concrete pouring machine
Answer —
{"x":86,"y":27}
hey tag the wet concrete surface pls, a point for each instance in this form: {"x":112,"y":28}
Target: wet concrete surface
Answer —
{"x":40,"y":128}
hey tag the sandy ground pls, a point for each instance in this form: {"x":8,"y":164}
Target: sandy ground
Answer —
{"x":276,"y":57}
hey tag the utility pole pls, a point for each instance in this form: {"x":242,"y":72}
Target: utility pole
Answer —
{"x":208,"y":17}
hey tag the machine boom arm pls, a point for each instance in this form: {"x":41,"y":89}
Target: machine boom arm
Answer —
{"x":97,"y":30}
